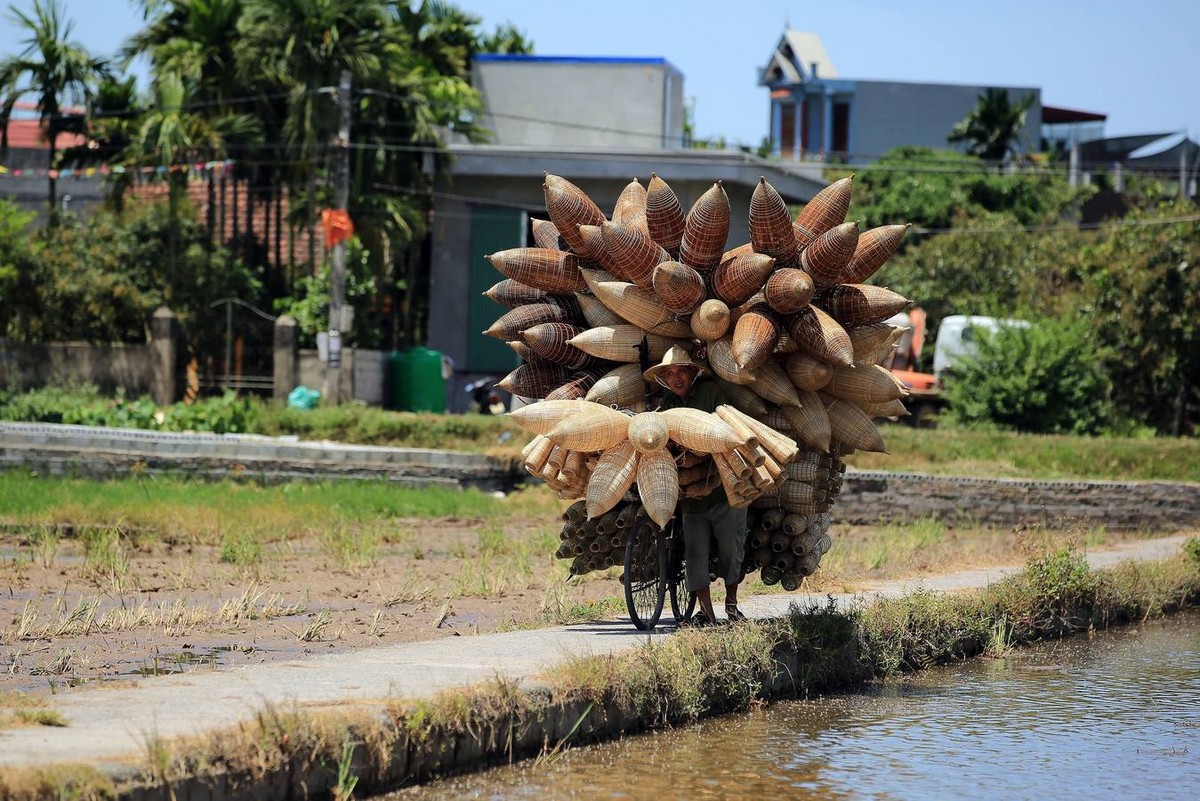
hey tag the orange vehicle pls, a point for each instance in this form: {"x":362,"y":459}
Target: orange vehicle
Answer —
{"x":925,"y":398}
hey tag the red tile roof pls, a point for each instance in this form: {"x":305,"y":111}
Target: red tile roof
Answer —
{"x":28,"y":135}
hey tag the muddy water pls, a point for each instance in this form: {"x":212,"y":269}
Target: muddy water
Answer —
{"x":1115,"y":716}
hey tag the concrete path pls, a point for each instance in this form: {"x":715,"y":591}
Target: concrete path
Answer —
{"x":110,"y":727}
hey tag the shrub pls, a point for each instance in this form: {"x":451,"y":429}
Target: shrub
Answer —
{"x":1043,"y":379}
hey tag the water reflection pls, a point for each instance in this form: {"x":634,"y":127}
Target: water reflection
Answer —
{"x":1116,"y":716}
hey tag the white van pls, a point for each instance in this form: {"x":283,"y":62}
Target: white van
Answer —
{"x":957,"y":336}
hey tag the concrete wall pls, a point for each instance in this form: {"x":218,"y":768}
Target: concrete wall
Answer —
{"x":363,"y":374}
{"x":585,"y":102}
{"x":108,"y":366}
{"x":888,"y":114}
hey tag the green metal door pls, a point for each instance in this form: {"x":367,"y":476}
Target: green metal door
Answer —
{"x":492,"y":229}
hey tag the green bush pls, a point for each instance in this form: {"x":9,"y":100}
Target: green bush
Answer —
{"x":1043,"y":379}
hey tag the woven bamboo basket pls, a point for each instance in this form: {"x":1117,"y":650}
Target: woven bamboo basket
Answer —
{"x":743,"y":398}
{"x":772,"y":519}
{"x":821,"y":336}
{"x":852,"y":427}
{"x":664,"y":215}
{"x":619,"y":343}
{"x":622,"y":387}
{"x":783,"y":449}
{"x":786,"y":344}
{"x":736,"y":280}
{"x":596,"y":313}
{"x":576,"y":387}
{"x":755,"y":337}
{"x":551,"y":270}
{"x":720,"y":359}
{"x":630,"y":208}
{"x":827,"y":209}
{"x":528,"y":381}
{"x":737,"y":491}
{"x":510,"y":324}
{"x":773,"y":385}
{"x":788,"y":290}
{"x":541,"y":418}
{"x":711,"y":320}
{"x":829,"y":253}
{"x":740,"y":467}
{"x":535,"y":456}
{"x":737,"y":422}
{"x":875,"y":342}
{"x":705,"y":230}
{"x":612,"y":478}
{"x":648,"y":432}
{"x":806,"y":472}
{"x":800,"y":498}
{"x":632,"y":254}
{"x":794,"y":525}
{"x":594,"y":251}
{"x":637,"y":305}
{"x":527,"y":355}
{"x":556,"y":459}
{"x":701,"y":432}
{"x":869,"y":383}
{"x":545,"y":235}
{"x":735,"y":313}
{"x":771,"y":225}
{"x":875,"y":247}
{"x":569,"y":207}
{"x":740,"y":250}
{"x":592,"y":428}
{"x":551,"y":341}
{"x":658,"y":485}
{"x":512,"y":293}
{"x":679,"y":287}
{"x":807,"y":372}
{"x":751,"y":452}
{"x":894,"y":408}
{"x":810,"y":421}
{"x":573,"y":467}
{"x":860,"y":304}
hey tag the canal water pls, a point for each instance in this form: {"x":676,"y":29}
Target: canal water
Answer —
{"x":1114,"y":716}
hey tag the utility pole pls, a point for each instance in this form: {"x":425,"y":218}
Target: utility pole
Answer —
{"x":337,"y":282}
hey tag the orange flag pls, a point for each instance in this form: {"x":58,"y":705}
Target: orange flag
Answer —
{"x":337,"y":225}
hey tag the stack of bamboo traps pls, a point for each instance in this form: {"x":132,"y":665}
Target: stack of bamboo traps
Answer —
{"x":785,"y":322}
{"x":785,"y":547}
{"x":596,"y":543}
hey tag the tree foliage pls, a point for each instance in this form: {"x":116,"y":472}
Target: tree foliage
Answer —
{"x":993,"y":127}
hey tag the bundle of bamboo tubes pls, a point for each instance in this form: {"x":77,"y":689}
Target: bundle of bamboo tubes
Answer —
{"x":786,"y":323}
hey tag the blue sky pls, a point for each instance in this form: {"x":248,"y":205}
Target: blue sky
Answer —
{"x":1136,"y":62}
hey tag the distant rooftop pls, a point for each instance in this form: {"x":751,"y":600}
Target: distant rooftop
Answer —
{"x":648,"y":60}
{"x":1052,"y":115}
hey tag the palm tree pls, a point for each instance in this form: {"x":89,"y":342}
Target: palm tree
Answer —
{"x":994,"y":125}
{"x":52,"y":67}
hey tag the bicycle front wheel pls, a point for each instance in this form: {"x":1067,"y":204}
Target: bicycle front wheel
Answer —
{"x":644,"y":588}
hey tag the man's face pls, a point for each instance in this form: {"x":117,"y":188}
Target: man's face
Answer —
{"x":679,"y":379}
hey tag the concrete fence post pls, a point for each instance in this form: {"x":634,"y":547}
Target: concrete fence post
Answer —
{"x":287,"y":357}
{"x":164,"y":350}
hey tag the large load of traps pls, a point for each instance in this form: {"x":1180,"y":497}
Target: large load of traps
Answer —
{"x":785,"y":323}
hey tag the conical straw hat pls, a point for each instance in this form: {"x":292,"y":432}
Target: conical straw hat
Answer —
{"x":622,"y":387}
{"x":821,"y":336}
{"x":679,"y":287}
{"x":720,"y":359}
{"x":632,"y":254}
{"x":827,"y":209}
{"x":828,"y":255}
{"x":755,"y":336}
{"x":592,"y":428}
{"x":569,"y":207}
{"x":664,"y":215}
{"x":620,"y":343}
{"x":875,"y":247}
{"x":541,"y":268}
{"x":636,"y":305}
{"x":630,"y":208}
{"x":658,"y":485}
{"x":788,"y":290}
{"x":807,"y":372}
{"x":700,"y":431}
{"x":771,"y":225}
{"x":648,"y":432}
{"x":706,"y":230}
{"x":737,"y":279}
{"x":861,"y":304}
{"x":512,"y":293}
{"x":612,"y":478}
{"x":711,"y":320}
{"x":677,"y":356}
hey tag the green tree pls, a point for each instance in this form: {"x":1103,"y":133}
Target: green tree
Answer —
{"x":14,"y":262}
{"x":52,"y":67}
{"x":993,"y":127}
{"x":506,"y":38}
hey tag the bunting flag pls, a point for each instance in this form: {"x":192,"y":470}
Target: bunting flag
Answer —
{"x":199,"y":169}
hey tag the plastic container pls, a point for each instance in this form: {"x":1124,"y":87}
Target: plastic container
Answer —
{"x":417,"y":380}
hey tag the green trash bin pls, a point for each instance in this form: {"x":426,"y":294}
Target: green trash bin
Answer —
{"x":418,"y":384}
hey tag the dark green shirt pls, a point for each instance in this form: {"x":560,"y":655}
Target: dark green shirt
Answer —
{"x":705,"y":395}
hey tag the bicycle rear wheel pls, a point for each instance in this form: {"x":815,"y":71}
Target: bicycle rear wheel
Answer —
{"x":683,"y":603}
{"x":644,"y":589}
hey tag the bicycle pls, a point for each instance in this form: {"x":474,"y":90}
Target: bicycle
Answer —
{"x":654,"y":572}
